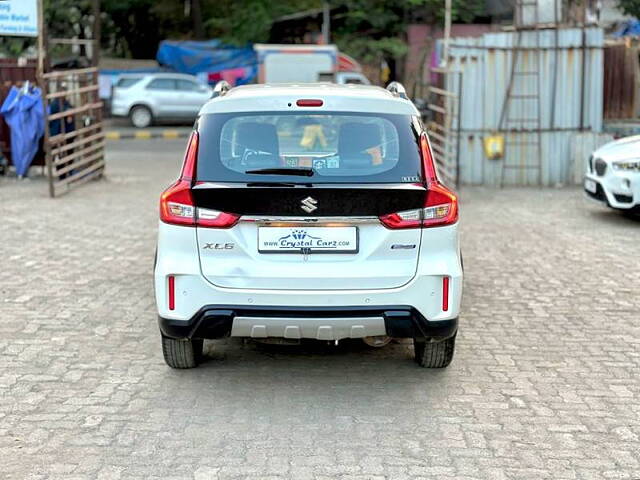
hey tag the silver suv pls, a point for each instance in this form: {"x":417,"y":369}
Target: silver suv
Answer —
{"x":146,"y":98}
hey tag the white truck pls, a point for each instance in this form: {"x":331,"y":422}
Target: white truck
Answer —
{"x":306,"y":64}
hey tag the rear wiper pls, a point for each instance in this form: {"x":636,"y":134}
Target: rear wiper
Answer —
{"x":271,"y":184}
{"x":302,"y":172}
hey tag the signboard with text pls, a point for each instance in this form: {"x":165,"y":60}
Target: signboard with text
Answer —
{"x":19,"y":18}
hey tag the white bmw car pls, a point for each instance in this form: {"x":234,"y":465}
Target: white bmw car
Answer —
{"x":308,"y":212}
{"x":613,"y":174}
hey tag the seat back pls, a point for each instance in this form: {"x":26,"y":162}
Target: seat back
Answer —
{"x":354,"y":139}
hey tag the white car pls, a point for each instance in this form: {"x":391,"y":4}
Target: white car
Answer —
{"x":146,"y":98}
{"x":308,"y":212}
{"x":613,"y":174}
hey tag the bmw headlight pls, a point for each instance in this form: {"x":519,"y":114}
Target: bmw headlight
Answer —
{"x":628,"y":165}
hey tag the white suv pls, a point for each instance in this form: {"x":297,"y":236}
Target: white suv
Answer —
{"x":613,"y":175}
{"x":308,"y":212}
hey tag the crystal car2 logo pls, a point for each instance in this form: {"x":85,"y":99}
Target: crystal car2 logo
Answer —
{"x":297,"y":239}
{"x":309,"y":204}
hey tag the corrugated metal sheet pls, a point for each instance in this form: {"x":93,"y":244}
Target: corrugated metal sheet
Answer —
{"x":570,"y":99}
{"x":620,"y":81}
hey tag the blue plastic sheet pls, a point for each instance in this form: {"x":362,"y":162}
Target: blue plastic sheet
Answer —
{"x":628,"y":28}
{"x":23,"y":112}
{"x":209,"y":56}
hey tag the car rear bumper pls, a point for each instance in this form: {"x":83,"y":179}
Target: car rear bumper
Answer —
{"x":177,"y":256}
{"x":320,"y":323}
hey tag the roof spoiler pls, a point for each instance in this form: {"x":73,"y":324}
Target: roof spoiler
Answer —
{"x":221,"y":89}
{"x":397,"y":89}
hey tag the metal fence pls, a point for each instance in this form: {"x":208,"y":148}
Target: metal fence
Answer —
{"x":570,"y":65}
{"x":621,"y":77}
{"x":75,"y":150}
{"x":443,"y":126}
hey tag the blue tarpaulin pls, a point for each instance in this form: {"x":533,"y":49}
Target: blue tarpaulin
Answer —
{"x":628,"y":28}
{"x":23,"y":112}
{"x":209,"y":56}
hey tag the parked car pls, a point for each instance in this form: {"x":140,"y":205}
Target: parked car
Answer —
{"x":153,"y":97}
{"x":308,"y":212}
{"x":613,"y":174}
{"x":344,"y":78}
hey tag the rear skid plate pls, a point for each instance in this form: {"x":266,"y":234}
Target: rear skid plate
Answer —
{"x":335,"y":328}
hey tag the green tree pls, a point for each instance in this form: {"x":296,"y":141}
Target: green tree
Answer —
{"x":375,"y":30}
{"x":630,"y":7}
{"x":134,"y":28}
{"x":249,"y":21}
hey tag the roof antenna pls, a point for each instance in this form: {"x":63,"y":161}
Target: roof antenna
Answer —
{"x":221,"y":89}
{"x":397,"y":89}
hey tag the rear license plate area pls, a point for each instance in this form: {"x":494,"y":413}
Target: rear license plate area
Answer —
{"x":308,"y":239}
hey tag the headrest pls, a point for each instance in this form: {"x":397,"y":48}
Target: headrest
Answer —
{"x":354,"y":140}
{"x":258,"y":144}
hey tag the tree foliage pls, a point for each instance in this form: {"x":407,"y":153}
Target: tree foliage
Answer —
{"x":630,"y":7}
{"x":374,"y":30}
{"x":370,"y":30}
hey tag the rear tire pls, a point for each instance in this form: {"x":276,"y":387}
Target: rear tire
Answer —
{"x":434,"y":354}
{"x":140,"y":117}
{"x":182,"y":353}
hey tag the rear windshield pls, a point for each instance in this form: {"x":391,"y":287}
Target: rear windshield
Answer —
{"x":337,"y":147}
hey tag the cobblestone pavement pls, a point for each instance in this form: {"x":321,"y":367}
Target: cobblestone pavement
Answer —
{"x":545,"y":383}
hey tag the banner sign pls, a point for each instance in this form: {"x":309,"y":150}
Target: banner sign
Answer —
{"x":19,"y":18}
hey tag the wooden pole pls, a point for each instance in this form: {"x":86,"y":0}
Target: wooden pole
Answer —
{"x":42,"y":82}
{"x":95,"y":7}
{"x":326,"y":23}
{"x":41,"y":52}
{"x":444,"y":61}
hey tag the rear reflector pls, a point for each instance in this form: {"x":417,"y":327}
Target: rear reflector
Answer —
{"x":172,"y":292}
{"x":445,"y":294}
{"x":309,"y":102}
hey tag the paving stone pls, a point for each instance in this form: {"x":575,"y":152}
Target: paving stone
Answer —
{"x":544,"y":384}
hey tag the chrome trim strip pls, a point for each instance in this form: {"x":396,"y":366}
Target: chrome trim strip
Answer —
{"x":305,"y":185}
{"x":295,"y":221}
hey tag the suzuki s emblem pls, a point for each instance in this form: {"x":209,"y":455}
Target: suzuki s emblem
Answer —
{"x":309,"y":204}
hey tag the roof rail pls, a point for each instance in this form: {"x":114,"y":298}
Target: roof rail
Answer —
{"x":397,"y":89}
{"x":221,"y":89}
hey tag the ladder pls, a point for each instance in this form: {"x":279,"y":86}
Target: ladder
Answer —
{"x":521,"y":110}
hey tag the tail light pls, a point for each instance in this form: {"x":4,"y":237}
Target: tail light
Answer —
{"x":441,"y":205}
{"x":176,"y":203}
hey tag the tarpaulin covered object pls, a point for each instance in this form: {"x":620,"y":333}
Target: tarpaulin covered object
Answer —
{"x":630,"y":28}
{"x":23,"y":111}
{"x":210,"y":56}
